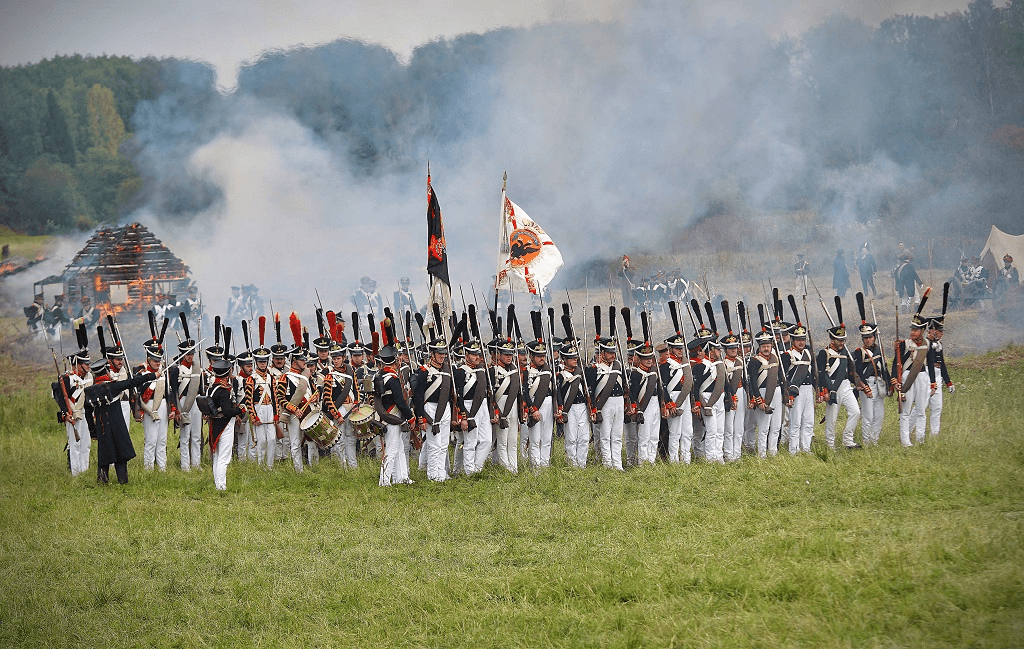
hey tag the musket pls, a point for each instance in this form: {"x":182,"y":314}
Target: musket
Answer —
{"x":586,"y":307}
{"x":133,"y":395}
{"x":814,"y":361}
{"x":741,"y":315}
{"x":570,"y":332}
{"x":898,"y":357}
{"x":627,"y":373}
{"x":67,"y":399}
{"x":881,"y":347}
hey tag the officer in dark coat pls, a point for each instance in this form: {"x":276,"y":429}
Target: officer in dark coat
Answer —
{"x":106,"y":421}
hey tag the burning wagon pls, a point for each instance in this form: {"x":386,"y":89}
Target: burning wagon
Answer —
{"x":121,"y":269}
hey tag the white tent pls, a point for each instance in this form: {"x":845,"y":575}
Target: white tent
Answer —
{"x":999,"y":243}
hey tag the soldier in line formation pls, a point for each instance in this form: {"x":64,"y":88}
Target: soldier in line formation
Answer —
{"x":458,"y":401}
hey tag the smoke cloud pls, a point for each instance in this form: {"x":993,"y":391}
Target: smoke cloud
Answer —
{"x":614,"y":136}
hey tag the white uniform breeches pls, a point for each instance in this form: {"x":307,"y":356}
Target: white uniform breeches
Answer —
{"x":846,"y":397}
{"x":611,"y":433}
{"x":154,"y":448}
{"x":222,"y":456}
{"x":80,"y":449}
{"x":801,"y":421}
{"x":577,"y":435}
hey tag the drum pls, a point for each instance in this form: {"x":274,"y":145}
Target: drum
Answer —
{"x":318,"y":427}
{"x":361,"y":417}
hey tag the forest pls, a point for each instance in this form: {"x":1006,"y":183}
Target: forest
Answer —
{"x":88,"y":140}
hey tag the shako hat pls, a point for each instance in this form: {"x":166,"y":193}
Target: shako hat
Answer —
{"x":221,"y":367}
{"x":537,"y":348}
{"x":99,"y":367}
{"x":568,"y":350}
{"x":153,"y":349}
{"x":502,"y":346}
{"x":936,"y":322}
{"x":245,"y":358}
{"x":606,"y":344}
{"x":729,"y":341}
{"x":338,"y":350}
{"x":798,"y":332}
{"x":868,"y":329}
{"x":837,"y":332}
{"x":763,"y":338}
{"x":644,"y":350}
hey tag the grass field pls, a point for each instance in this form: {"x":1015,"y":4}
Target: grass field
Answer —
{"x":24,"y":245}
{"x":882,"y":547}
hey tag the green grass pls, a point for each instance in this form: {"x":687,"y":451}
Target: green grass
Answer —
{"x":884,"y":547}
{"x":24,"y":245}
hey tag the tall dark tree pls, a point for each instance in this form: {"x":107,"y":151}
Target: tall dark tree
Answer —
{"x":56,"y":133}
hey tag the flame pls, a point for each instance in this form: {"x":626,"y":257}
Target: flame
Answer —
{"x":7,"y":267}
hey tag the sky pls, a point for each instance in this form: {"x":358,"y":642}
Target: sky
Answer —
{"x":229,"y":34}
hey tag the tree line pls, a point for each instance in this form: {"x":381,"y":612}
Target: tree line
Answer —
{"x":63,"y":127}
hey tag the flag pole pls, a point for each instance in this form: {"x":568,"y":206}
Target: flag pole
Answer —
{"x":501,"y":242}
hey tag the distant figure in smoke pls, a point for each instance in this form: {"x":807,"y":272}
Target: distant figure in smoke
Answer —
{"x":34,"y":316}
{"x":905,"y":277}
{"x":403,"y":299}
{"x":87,"y":311}
{"x":55,"y":317}
{"x":866,"y":266}
{"x":627,"y":277}
{"x":233,"y":301}
{"x":1008,"y":278}
{"x":367,"y":299}
{"x":840,"y":274}
{"x":802,"y":270}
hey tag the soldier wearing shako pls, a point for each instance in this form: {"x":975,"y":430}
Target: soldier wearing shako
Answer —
{"x":838,"y":383}
{"x":278,"y":368}
{"x":259,"y":401}
{"x":156,"y":400}
{"x":245,"y":433}
{"x":433,"y":397}
{"x":913,"y":377}
{"x":390,"y":400}
{"x":768,"y":384}
{"x":708,"y":388}
{"x":608,"y":393}
{"x":538,"y":398}
{"x":476,"y":444}
{"x":506,"y":382}
{"x":107,"y":422}
{"x":800,"y":393}
{"x":677,"y":377}
{"x":69,"y":393}
{"x":573,"y":398}
{"x":293,"y":393}
{"x":869,"y":364}
{"x":340,"y":396}
{"x":647,"y":395}
{"x":736,"y":403}
{"x":939,"y":370}
{"x":225,"y":410}
{"x":118,"y":371}
{"x":186,"y":380}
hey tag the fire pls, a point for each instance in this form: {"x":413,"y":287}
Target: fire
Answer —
{"x":141,"y":295}
{"x":7,"y":267}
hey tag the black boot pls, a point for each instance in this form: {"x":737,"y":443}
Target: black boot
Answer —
{"x":102,"y":475}
{"x":121,"y":468}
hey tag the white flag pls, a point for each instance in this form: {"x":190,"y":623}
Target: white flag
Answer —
{"x":529,"y":258}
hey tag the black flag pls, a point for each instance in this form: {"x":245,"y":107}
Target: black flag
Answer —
{"x":437,"y":256}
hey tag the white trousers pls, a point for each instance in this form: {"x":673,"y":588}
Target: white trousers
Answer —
{"x":507,"y":443}
{"x":345,"y":449}
{"x":801,"y":421}
{"x":935,"y":410}
{"x":732,"y":447}
{"x":629,"y":441}
{"x":769,"y":425}
{"x":647,"y":433}
{"x":872,"y":412}
{"x":245,"y":439}
{"x":126,"y":410}
{"x":222,"y":456}
{"x":611,"y":433}
{"x":750,"y":428}
{"x":394,"y":465}
{"x":846,"y":397}
{"x":577,"y":435}
{"x":190,"y":439}
{"x":437,"y":445}
{"x":266,"y":436}
{"x":540,"y":436}
{"x":714,"y":432}
{"x":476,"y":443}
{"x":913,"y":407}
{"x":680,"y":433}
{"x":79,"y":449}
{"x":154,"y":447}
{"x":294,"y":435}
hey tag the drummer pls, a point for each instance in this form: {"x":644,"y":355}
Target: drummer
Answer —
{"x":340,"y":395}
